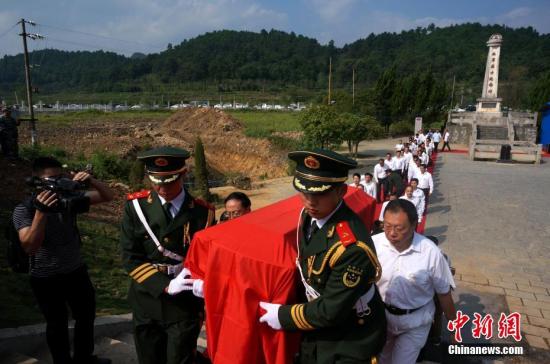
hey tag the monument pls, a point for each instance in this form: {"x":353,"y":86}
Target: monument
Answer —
{"x":489,"y":101}
{"x":490,"y":128}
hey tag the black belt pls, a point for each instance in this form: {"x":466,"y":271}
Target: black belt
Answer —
{"x":399,"y":311}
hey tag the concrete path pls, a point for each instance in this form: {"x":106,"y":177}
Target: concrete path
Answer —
{"x":493,"y":220}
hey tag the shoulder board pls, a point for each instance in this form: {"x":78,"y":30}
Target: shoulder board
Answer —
{"x":203,"y":203}
{"x":344,"y":232}
{"x":139,"y":194}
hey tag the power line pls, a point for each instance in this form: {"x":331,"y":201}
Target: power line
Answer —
{"x":102,"y":36}
{"x":9,"y":30}
{"x":82,"y":44}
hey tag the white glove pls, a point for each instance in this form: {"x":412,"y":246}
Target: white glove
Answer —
{"x":198,"y":288}
{"x":179,"y":283}
{"x":271,"y":317}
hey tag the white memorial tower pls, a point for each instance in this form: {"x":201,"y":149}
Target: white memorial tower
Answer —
{"x":489,"y":101}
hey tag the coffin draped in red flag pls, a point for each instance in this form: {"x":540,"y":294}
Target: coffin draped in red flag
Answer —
{"x":248,"y":260}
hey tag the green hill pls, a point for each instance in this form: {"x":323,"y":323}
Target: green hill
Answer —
{"x":229,"y":61}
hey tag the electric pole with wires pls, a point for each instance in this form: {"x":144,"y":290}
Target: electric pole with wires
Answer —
{"x":25,"y":35}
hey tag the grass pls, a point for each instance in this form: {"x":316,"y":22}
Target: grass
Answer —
{"x":261,"y":124}
{"x":101,"y":253}
{"x":68,"y":118}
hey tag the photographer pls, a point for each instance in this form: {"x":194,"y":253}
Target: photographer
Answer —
{"x":46,"y":223}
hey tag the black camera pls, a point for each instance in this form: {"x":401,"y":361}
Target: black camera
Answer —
{"x":66,"y":189}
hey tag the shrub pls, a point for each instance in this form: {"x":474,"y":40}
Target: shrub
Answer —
{"x":110,"y":166}
{"x":135,"y":176}
{"x":401,"y":128}
{"x":201,"y":171}
{"x":31,"y":153}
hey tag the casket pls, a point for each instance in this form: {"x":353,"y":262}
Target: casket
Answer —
{"x":248,"y":260}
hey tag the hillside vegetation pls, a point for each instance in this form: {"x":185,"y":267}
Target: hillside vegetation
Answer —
{"x":276,"y":62}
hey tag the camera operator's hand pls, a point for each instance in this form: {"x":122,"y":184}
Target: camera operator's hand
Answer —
{"x":45,"y":200}
{"x":102,"y":192}
{"x":83,"y":177}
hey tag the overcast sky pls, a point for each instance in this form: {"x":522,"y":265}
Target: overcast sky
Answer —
{"x":128,"y":26}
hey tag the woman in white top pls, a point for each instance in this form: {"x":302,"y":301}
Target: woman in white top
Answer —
{"x":416,"y":202}
{"x":357,"y":182}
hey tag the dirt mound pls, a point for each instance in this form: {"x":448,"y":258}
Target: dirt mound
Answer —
{"x":227,"y":149}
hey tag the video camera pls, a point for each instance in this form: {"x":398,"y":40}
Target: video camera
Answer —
{"x":66,"y":189}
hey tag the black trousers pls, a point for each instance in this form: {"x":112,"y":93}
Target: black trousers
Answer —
{"x":162,"y":343}
{"x":436,"y":144}
{"x":446,"y":144}
{"x":54,"y":294}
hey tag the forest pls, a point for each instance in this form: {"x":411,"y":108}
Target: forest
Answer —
{"x":229,"y":61}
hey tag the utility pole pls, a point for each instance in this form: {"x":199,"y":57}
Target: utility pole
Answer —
{"x":24,"y":34}
{"x":453,"y":92}
{"x":353,"y":86}
{"x":329,"y":78}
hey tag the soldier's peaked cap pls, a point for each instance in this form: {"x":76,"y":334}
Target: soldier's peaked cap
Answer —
{"x":164,"y":161}
{"x":319,"y":170}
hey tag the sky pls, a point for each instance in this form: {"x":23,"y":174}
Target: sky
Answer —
{"x":147,"y":26}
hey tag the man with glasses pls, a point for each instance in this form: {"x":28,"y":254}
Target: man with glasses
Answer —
{"x":413,"y":269}
{"x":236,"y":205}
{"x":156,"y":230}
{"x":342,"y":320}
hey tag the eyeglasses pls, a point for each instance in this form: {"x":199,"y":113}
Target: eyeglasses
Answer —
{"x":397,"y":228}
{"x":232,"y":214}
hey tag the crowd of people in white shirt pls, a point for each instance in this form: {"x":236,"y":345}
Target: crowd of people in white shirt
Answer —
{"x":416,"y":276}
{"x":410,"y":161}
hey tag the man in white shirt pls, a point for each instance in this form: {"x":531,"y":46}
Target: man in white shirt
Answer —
{"x":424,"y":157}
{"x":370,"y":185}
{"x":421,"y":137}
{"x":413,"y":168}
{"x":398,"y":163}
{"x":413,"y":269}
{"x":407,"y":156}
{"x":437,"y":138}
{"x":413,"y":147}
{"x":446,"y":140}
{"x":417,"y":193}
{"x":393,"y":196}
{"x":429,"y":146}
{"x":399,"y":146}
{"x":425,"y":181}
{"x":388,"y":162}
{"x":408,"y":195}
{"x":380,"y":178}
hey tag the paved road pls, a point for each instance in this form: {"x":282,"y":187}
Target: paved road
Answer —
{"x":493,"y":220}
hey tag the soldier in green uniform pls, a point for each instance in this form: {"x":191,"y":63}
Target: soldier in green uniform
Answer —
{"x":342,"y":316}
{"x":156,"y":230}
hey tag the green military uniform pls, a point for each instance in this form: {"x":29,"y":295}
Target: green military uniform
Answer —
{"x":346,"y":322}
{"x":166,"y":327}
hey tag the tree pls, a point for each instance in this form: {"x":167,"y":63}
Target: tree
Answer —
{"x":320,"y":127}
{"x":540,"y":93}
{"x":355,"y":129}
{"x":383,"y":95}
{"x":201,"y":172}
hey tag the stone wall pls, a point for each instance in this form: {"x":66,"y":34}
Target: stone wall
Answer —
{"x":460,"y":134}
{"x":525,"y":133}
